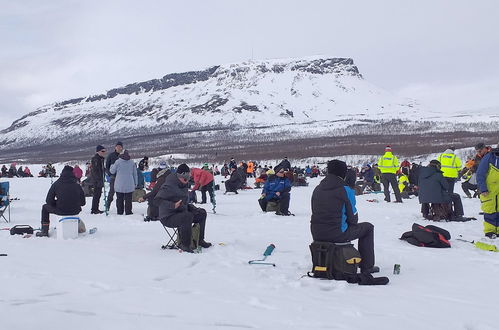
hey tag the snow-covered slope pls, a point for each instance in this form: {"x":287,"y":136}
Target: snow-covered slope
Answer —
{"x":322,"y":92}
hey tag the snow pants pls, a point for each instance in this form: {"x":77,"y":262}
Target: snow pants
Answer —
{"x":207,"y":188}
{"x":184,"y":220}
{"x":283,"y":203}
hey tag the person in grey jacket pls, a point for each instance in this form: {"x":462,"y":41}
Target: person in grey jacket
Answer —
{"x":174,"y":210}
{"x":126,"y":180}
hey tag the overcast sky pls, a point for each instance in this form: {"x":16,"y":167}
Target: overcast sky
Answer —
{"x":445,"y":53}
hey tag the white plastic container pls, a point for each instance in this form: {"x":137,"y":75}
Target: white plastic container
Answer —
{"x":67,"y":227}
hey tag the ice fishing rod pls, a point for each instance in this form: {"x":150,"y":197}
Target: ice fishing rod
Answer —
{"x":480,"y":245}
{"x":268,"y":252}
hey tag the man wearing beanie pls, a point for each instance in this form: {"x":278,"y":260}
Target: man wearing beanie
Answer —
{"x":65,"y":197}
{"x":388,"y":164}
{"x":97,"y":177}
{"x":174,"y":212}
{"x":111,"y":158}
{"x":335,"y":218}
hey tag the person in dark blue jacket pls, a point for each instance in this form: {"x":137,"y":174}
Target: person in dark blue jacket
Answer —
{"x":335,"y":218}
{"x":277,"y":188}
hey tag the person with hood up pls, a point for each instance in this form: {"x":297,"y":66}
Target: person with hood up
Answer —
{"x":450,"y":166}
{"x":434,"y":188}
{"x":78,"y":172}
{"x":65,"y":197}
{"x":27,"y":172}
{"x":388,"y":164}
{"x":125,"y":182}
{"x":487,"y":177}
{"x":175,"y":212}
{"x":335,"y":217}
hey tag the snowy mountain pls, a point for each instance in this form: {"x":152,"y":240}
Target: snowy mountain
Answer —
{"x":244,"y":104}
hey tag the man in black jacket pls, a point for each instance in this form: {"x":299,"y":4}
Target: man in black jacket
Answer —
{"x":97,"y":177}
{"x":65,"y":197}
{"x":111,"y":158}
{"x":152,"y":208}
{"x":174,"y":211}
{"x":335,"y":218}
{"x":434,"y":189}
{"x":234,"y":181}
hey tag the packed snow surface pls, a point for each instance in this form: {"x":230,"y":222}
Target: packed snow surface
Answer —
{"x":120,"y":278}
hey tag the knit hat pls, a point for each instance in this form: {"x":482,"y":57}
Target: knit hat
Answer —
{"x":184,"y":171}
{"x":163,"y":164}
{"x":125,"y":155}
{"x":99,"y":148}
{"x":183,"y":168}
{"x":388,"y":149}
{"x":119,"y":143}
{"x":337,"y":167}
{"x":479,"y":146}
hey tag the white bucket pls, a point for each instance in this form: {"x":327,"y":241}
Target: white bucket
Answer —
{"x":67,"y":227}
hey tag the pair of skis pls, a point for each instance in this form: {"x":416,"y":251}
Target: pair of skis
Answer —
{"x":479,"y":244}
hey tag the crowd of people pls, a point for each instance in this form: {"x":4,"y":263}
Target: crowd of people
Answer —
{"x":334,"y":214}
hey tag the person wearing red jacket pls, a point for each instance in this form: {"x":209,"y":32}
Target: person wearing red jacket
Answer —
{"x":77,"y":172}
{"x":203,"y":180}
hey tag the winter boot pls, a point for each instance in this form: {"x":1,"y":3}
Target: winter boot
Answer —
{"x":204,"y":244}
{"x":44,"y":232}
{"x":491,"y":235}
{"x":185,"y":248}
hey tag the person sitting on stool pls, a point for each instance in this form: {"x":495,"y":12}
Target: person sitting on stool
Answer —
{"x":276,"y":189}
{"x":335,"y":218}
{"x":65,"y":197}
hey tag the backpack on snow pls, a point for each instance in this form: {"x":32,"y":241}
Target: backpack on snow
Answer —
{"x":333,"y":261}
{"x":429,"y":236}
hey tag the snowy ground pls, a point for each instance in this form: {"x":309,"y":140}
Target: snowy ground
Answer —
{"x":120,"y":278}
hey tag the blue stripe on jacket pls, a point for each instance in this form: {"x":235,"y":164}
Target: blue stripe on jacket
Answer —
{"x":351,"y":197}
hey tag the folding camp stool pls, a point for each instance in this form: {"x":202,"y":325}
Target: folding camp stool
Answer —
{"x":173,"y":234}
{"x":4,"y":201}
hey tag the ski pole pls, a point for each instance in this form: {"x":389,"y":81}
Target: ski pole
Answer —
{"x":268,"y":252}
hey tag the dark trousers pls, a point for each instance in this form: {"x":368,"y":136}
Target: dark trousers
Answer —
{"x":283,"y":203}
{"x":152,"y":210}
{"x":97,"y":193}
{"x":124,"y":203}
{"x":207,"y":188}
{"x":46,"y":210}
{"x":467,"y":186}
{"x":390,"y":179}
{"x":363,"y":231}
{"x":451,"y":182}
{"x":110,"y":195}
{"x":231,"y":186}
{"x":184,"y":220}
{"x":456,"y":206}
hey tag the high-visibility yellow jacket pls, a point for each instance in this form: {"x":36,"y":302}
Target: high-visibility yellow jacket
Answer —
{"x":451,"y":164}
{"x":388,"y":163}
{"x":402,"y":180}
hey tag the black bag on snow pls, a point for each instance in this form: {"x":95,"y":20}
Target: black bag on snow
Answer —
{"x":331,"y":261}
{"x":429,"y":236}
{"x":21,"y":230}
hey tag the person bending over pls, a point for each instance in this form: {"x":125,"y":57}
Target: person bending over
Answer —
{"x":65,"y":197}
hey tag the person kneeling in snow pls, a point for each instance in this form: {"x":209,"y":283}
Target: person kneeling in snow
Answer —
{"x":65,"y":197}
{"x":335,"y":218}
{"x":175,"y":212}
{"x":276,"y":189}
